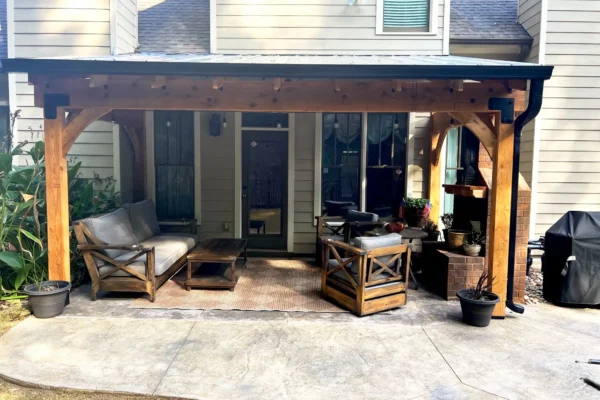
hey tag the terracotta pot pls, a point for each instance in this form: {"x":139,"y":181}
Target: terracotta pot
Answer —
{"x":415,"y":217}
{"x":456,"y":238}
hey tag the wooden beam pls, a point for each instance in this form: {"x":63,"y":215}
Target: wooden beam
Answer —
{"x":277,"y":84}
{"x":480,"y":127}
{"x":135,"y":143}
{"x":500,"y":213}
{"x":77,"y":124}
{"x":397,"y":86}
{"x":57,"y":199}
{"x":336,"y":85}
{"x":298,"y":96}
{"x":441,"y":124}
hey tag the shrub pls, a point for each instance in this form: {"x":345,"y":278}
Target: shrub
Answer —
{"x":23,"y":217}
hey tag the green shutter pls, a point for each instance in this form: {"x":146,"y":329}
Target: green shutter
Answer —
{"x":406,"y":14}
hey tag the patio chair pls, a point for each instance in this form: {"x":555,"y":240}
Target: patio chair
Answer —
{"x":374,"y":276}
{"x":330,"y":227}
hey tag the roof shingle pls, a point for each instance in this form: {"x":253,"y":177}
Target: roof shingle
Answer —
{"x":174,"y":26}
{"x":486,"y":20}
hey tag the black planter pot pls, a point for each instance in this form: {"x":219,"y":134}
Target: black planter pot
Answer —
{"x":477,"y":312}
{"x":48,"y":304}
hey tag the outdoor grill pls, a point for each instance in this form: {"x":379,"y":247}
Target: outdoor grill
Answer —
{"x":572,"y":259}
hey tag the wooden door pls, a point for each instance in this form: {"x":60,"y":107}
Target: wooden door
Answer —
{"x":264,"y":189}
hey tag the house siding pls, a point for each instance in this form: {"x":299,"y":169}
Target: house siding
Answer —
{"x":314,"y":27}
{"x":418,"y":160}
{"x":218,"y":179}
{"x":304,"y":228}
{"x":126,"y":28}
{"x":51,"y":28}
{"x":569,"y":149}
{"x":530,"y":16}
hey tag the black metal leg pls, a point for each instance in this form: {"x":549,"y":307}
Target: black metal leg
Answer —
{"x":412,"y":276}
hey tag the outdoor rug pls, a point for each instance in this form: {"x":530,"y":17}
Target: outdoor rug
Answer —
{"x":265,"y":285}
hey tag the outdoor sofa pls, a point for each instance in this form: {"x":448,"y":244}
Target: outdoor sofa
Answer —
{"x":125,"y":250}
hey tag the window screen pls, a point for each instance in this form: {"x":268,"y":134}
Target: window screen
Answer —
{"x":406,"y":15}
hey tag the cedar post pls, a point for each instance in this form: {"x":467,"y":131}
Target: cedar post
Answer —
{"x":500,"y":212}
{"x":435,"y":177}
{"x":57,"y":199}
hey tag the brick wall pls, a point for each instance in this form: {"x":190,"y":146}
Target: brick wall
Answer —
{"x":463,"y":272}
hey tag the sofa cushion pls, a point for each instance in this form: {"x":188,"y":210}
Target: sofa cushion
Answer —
{"x":142,"y":216}
{"x":167,"y":249}
{"x":181,"y":234}
{"x":359,"y":216}
{"x":112,"y":228}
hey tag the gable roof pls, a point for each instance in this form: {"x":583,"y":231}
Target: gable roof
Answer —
{"x":481,"y":20}
{"x":174,"y":26}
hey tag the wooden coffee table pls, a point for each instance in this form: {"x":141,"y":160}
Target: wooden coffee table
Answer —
{"x":216,"y":264}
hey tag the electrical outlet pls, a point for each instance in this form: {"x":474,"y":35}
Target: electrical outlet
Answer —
{"x":226,"y":226}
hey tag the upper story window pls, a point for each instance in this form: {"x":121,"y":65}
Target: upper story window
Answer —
{"x":406,"y":17}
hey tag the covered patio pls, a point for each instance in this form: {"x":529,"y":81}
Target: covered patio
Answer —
{"x":493,"y":99}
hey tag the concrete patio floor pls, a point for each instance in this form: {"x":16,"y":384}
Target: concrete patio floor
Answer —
{"x":421,"y":351}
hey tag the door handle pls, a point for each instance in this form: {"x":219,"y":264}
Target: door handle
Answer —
{"x":244,"y":195}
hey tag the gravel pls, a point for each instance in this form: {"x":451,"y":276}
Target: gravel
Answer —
{"x":533,"y":288}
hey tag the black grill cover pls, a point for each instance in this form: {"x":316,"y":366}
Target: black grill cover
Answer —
{"x":576,"y":234}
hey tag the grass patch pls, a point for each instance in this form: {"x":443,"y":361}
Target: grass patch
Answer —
{"x":11,"y":313}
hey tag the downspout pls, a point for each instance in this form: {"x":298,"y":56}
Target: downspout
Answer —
{"x":536,"y":91}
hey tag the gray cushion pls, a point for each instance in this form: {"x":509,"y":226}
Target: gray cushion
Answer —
{"x":181,"y":234}
{"x":112,"y":228}
{"x":359,"y":216}
{"x":377,"y":242}
{"x":168,"y":249}
{"x":142,"y":216}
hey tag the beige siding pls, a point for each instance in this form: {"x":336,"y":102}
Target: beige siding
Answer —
{"x":418,"y":168}
{"x":569,"y":158}
{"x":304,"y":229}
{"x":50,"y":28}
{"x":126,"y":28}
{"x":313,"y":27}
{"x":217,"y":175}
{"x":530,"y":16}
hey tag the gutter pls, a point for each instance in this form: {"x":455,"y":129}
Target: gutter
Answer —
{"x":536,"y":91}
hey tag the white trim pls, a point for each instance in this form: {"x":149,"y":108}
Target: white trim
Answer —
{"x":150,"y":170}
{"x":446,"y":28}
{"x":442,"y":179}
{"x":410,"y":155}
{"x":537,"y":129}
{"x":291,"y":181}
{"x":11,"y":53}
{"x":363,"y":162}
{"x":197,"y":167}
{"x":213,"y":26}
{"x":317,"y":209}
{"x":433,"y":14}
{"x":113,"y":28}
{"x":116,"y":130}
{"x":237,"y":192}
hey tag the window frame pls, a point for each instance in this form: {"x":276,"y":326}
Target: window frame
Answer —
{"x":380,"y":29}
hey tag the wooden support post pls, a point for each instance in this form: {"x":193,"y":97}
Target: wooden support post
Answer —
{"x":57,"y":199}
{"x":441,"y":124}
{"x":500,"y":213}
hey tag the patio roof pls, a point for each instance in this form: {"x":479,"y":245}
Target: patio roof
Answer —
{"x":289,"y":66}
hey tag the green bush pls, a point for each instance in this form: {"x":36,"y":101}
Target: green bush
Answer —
{"x":23,"y":222}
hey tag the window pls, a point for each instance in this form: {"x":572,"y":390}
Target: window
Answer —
{"x":462,"y":153}
{"x":386,"y":162}
{"x":174,"y":163}
{"x":341,"y":158}
{"x":406,"y":16}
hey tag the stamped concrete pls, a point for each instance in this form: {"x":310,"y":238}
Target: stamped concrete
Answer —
{"x":421,"y":351}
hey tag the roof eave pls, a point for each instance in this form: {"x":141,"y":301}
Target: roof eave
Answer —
{"x":345,"y":71}
{"x":492,"y":41}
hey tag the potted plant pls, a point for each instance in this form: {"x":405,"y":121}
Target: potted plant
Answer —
{"x":48,"y":298}
{"x":477,"y":303}
{"x":432,"y":230}
{"x":447,"y":220}
{"x":472,"y":245}
{"x":416,"y":211}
